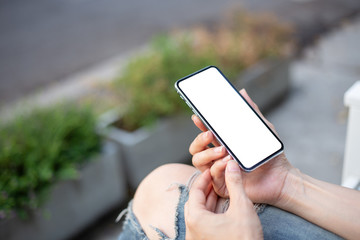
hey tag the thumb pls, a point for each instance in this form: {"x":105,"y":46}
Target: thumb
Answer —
{"x":234,"y":184}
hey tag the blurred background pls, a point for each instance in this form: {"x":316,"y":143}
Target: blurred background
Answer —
{"x":87,"y":98}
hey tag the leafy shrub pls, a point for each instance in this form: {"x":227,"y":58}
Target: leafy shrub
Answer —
{"x":148,"y":80}
{"x":40,"y":148}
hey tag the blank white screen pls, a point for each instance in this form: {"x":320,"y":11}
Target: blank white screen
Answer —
{"x":231,"y":118}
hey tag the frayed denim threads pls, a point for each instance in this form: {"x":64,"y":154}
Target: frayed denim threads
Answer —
{"x":132,"y":229}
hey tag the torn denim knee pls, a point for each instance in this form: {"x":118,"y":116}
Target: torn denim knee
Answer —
{"x":132,"y":228}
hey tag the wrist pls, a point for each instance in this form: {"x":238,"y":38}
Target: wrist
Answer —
{"x":293,"y":188}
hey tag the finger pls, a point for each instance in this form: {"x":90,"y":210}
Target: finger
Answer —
{"x":197,"y":121}
{"x":196,"y":212}
{"x":256,"y":108}
{"x":234,"y":185}
{"x":211,"y":201}
{"x":251,"y":102}
{"x":217,"y":172}
{"x":201,"y":142}
{"x":206,"y":158}
{"x":198,"y":192}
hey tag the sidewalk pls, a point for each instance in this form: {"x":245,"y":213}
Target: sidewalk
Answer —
{"x":40,"y":47}
{"x":312,"y":120}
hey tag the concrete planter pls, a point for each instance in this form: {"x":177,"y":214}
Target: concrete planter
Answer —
{"x":74,"y":204}
{"x":168,"y":141}
{"x":147,"y":148}
{"x":267,"y":82}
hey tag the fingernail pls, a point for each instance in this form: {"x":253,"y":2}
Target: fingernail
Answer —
{"x":219,"y":149}
{"x":232,"y":166}
{"x":227,"y":158}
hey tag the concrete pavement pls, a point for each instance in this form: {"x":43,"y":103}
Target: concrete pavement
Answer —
{"x":43,"y":42}
{"x":312,"y":121}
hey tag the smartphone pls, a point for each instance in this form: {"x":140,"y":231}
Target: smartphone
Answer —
{"x":231,"y":119}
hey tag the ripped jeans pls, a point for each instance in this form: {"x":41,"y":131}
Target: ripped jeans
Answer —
{"x":276,"y":223}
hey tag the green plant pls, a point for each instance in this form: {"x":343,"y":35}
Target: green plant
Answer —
{"x":39,"y":148}
{"x":243,"y":40}
{"x":148,"y":80}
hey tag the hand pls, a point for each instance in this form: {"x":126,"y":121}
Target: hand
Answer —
{"x":240,"y":220}
{"x":205,"y":157}
{"x":263,"y":185}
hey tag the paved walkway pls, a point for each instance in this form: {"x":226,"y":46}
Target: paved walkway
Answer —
{"x":43,"y":42}
{"x":312,"y":120}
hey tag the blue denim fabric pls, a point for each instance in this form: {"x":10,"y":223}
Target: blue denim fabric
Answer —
{"x":132,"y":229}
{"x":276,"y":224}
{"x":279,"y":224}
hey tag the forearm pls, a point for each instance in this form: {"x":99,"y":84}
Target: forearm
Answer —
{"x":330,"y":206}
